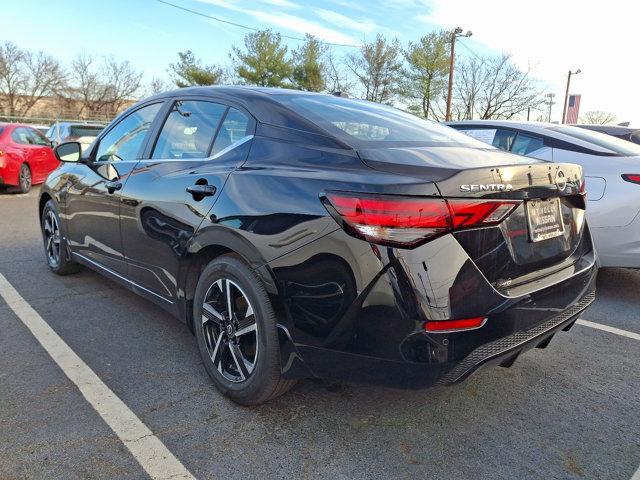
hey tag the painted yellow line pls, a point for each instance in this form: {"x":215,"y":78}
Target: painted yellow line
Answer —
{"x":147,"y":449}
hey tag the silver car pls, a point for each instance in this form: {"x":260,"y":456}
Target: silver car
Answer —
{"x":612,"y":171}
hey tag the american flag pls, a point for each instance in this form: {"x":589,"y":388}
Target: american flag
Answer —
{"x":573,"y":108}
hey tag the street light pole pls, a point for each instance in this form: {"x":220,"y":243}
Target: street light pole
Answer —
{"x":550,"y":96}
{"x":566,"y":94}
{"x":457,"y":32}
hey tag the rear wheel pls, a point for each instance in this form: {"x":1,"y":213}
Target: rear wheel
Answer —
{"x":236,"y":331}
{"x":24,"y":178}
{"x":54,"y":243}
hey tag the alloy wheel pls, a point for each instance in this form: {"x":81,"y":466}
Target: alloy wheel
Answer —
{"x":25,"y":179}
{"x":52,"y":238}
{"x":230,"y":330}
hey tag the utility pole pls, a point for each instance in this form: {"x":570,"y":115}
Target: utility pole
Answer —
{"x":457,"y":32}
{"x":551,"y":103}
{"x":566,"y":95}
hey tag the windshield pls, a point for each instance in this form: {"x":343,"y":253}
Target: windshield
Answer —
{"x":621,"y":147}
{"x":370,"y":124}
{"x":84,"y":130}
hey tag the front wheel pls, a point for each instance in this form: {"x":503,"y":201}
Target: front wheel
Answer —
{"x":236,"y":331}
{"x":54,"y":243}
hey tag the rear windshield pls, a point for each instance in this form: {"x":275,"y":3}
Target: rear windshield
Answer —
{"x":370,"y":124}
{"x":84,"y":130}
{"x":616,"y":145}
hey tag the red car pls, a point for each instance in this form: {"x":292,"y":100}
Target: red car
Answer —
{"x":26,"y":156}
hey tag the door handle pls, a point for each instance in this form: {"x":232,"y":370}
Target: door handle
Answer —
{"x":199,"y":191}
{"x":113,"y":186}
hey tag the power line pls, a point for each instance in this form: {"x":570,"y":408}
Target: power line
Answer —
{"x":246,"y":27}
{"x":467,"y":48}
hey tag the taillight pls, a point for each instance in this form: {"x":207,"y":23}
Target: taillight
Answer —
{"x":407,"y":221}
{"x":631,"y":177}
{"x":442,"y":326}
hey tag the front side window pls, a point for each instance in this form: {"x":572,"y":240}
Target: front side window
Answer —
{"x":124,"y":141}
{"x":189,"y":130}
{"x":235,"y":127}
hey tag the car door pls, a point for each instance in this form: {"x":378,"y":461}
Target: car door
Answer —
{"x":169,"y":193}
{"x":92,"y":203}
{"x":28,"y":151}
{"x":42,"y":154}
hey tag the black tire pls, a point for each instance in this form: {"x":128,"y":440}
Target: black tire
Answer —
{"x":24,"y":178}
{"x":54,"y":241}
{"x":264,"y":381}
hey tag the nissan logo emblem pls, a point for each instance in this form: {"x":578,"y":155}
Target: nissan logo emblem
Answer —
{"x":561,"y":180}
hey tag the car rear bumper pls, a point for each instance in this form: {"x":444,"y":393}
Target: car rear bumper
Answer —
{"x":357,"y":314}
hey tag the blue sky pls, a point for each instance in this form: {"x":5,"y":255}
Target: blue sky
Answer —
{"x":548,"y":36}
{"x":149,"y":33}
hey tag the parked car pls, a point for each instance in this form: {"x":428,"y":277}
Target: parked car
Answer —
{"x":308,"y":235}
{"x":83,"y":132}
{"x":26,"y":156}
{"x":619,"y":131}
{"x":43,"y":129}
{"x":611,"y":168}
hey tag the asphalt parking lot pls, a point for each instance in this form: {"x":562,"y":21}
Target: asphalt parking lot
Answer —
{"x":570,"y":411}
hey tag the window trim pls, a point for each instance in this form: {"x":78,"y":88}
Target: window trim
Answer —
{"x":117,"y":121}
{"x":171,"y":101}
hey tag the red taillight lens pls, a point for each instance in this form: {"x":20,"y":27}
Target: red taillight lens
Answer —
{"x":631,"y":178}
{"x":408,"y":221}
{"x":472,"y":213}
{"x":454,"y":325}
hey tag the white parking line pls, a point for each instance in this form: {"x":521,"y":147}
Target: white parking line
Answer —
{"x":609,"y":329}
{"x":147,"y":449}
{"x":636,"y":476}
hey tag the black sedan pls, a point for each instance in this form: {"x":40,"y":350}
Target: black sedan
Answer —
{"x":308,"y":235}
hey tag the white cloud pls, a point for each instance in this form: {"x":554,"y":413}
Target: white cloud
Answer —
{"x":151,"y":29}
{"x":339,"y":20}
{"x":290,"y":22}
{"x":303,"y":26}
{"x":556,"y":36}
{"x":280,"y":3}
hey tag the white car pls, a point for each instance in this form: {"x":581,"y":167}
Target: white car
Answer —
{"x":611,"y":167}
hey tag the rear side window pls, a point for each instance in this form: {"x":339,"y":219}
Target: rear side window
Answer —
{"x":38,"y":137}
{"x":22,"y":136}
{"x":234,"y":128}
{"x":124,"y":141}
{"x":525,"y":144}
{"x":189,"y":130}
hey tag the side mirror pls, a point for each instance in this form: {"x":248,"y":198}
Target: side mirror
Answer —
{"x":68,"y":152}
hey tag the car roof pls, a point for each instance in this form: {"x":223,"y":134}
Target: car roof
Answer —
{"x":259,"y":101}
{"x":609,"y":129}
{"x":541,"y":128}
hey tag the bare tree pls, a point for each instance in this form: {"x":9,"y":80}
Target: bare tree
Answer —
{"x":122,"y":83}
{"x":102,"y":87}
{"x":26,"y":77}
{"x":157,"y":85}
{"x":493,"y":87}
{"x":336,"y":78}
{"x":597,"y":117}
{"x":377,"y":67}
